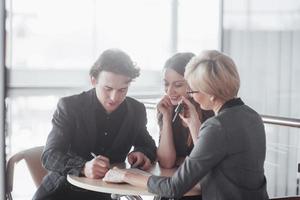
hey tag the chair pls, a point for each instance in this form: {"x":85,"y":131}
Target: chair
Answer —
{"x":32,"y":158}
{"x":286,"y":198}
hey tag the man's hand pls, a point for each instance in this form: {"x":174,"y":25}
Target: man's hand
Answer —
{"x":97,"y":167}
{"x":139,"y":160}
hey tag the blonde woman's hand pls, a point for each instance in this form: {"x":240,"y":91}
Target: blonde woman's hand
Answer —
{"x":165,"y":107}
{"x":115,"y":175}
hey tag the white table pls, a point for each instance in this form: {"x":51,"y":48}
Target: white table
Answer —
{"x":124,"y":189}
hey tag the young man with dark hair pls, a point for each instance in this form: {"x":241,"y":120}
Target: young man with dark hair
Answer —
{"x":102,"y":121}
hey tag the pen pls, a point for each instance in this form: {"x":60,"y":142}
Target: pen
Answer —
{"x":102,"y":159}
{"x":178,"y":109}
{"x":94,"y":155}
{"x":134,"y":165}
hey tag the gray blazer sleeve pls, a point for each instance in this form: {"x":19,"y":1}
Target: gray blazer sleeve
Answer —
{"x":209,"y":150}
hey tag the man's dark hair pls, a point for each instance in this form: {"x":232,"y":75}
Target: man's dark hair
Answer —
{"x":178,"y":62}
{"x":116,"y":61}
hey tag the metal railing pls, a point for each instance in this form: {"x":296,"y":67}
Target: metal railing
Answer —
{"x":281,"y":121}
{"x":267,"y":119}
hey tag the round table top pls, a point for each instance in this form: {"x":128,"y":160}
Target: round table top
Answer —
{"x":98,"y":185}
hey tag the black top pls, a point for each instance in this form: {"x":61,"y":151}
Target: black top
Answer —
{"x":107,"y":125}
{"x":181,"y":133}
{"x":231,"y":103}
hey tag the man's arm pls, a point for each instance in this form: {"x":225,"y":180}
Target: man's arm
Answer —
{"x":63,"y":163}
{"x":56,"y":156}
{"x":144,"y":142}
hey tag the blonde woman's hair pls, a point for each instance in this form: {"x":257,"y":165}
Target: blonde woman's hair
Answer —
{"x":213,"y":73}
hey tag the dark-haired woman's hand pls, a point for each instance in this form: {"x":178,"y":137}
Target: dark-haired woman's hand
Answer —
{"x":165,"y":107}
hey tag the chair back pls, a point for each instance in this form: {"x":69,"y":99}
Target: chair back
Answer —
{"x":32,"y":158}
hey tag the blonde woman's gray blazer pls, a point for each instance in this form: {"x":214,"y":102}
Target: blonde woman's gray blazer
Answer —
{"x":227,"y":160}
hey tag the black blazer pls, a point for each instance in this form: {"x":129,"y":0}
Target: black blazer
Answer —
{"x":73,"y":137}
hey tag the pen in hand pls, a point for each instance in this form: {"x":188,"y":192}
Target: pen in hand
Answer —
{"x":104,"y":160}
{"x":178,"y":109}
{"x":134,"y":163}
{"x":94,"y":155}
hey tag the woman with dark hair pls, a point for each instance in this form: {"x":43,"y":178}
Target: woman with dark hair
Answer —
{"x":175,"y":139}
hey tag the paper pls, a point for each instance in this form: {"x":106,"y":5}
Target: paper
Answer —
{"x":114,"y":176}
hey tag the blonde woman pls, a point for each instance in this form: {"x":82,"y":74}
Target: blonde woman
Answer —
{"x":230,"y":148}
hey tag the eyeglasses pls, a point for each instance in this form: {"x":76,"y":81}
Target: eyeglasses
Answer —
{"x":192,"y":92}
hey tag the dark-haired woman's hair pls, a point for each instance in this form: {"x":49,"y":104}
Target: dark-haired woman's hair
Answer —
{"x":116,"y":61}
{"x":178,"y":62}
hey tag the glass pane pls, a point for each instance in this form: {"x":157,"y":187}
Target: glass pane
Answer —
{"x":283,"y":156}
{"x":198,"y":25}
{"x":50,"y":34}
{"x":141,"y":28}
{"x":261,"y":15}
{"x":67,"y":34}
{"x":263,"y":37}
{"x":29,"y":121}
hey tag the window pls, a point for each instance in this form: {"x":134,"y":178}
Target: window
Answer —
{"x":79,"y":31}
{"x":51,"y":45}
{"x":263,"y":37}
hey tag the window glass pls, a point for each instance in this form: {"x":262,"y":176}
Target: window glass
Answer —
{"x":282,"y":158}
{"x":55,"y":34}
{"x":263,"y":37}
{"x":51,"y":44}
{"x":141,"y":28}
{"x":261,"y":15}
{"x":199,"y":30}
{"x":29,"y":121}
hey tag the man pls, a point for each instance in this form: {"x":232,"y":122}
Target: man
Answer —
{"x":93,"y":129}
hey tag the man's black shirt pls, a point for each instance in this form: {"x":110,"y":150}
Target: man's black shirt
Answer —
{"x":108,"y":125}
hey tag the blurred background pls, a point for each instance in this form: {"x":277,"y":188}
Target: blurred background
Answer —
{"x":50,"y":46}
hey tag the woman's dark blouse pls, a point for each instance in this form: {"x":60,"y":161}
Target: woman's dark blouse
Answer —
{"x":181,"y":133}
